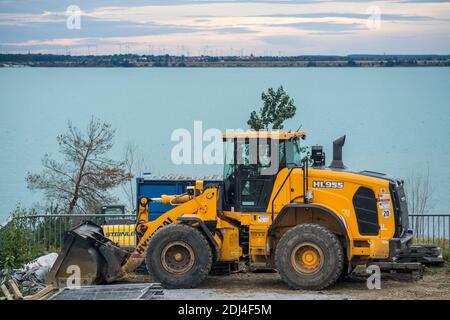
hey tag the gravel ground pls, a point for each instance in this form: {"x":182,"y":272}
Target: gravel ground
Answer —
{"x":219,"y":294}
{"x":435,"y":284}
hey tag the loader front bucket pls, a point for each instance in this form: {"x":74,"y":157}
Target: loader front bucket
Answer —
{"x":89,"y":255}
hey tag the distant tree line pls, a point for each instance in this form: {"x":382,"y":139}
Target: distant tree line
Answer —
{"x":131,"y":60}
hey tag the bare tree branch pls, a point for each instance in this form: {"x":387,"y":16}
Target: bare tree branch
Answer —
{"x":419,"y":193}
{"x":135,"y":165}
{"x":82,"y":181}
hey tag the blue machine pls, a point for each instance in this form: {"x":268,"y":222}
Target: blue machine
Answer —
{"x":154,"y":186}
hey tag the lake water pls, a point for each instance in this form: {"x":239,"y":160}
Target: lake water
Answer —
{"x":396,"y":119}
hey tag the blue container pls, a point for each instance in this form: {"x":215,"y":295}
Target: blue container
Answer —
{"x":154,"y":186}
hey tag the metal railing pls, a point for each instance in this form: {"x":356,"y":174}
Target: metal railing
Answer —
{"x":431,"y":228}
{"x":48,"y":230}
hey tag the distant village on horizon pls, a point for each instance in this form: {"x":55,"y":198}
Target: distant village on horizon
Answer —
{"x":136,"y":60}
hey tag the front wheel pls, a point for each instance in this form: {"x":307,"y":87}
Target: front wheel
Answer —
{"x":310,"y":257}
{"x":179,"y":256}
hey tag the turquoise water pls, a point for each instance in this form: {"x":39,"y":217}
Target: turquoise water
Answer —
{"x":396,"y":119}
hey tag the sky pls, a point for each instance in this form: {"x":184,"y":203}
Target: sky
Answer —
{"x":227,"y":27}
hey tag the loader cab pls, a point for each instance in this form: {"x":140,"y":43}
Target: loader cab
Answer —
{"x":252,"y":162}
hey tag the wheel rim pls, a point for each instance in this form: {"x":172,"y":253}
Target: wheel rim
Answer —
{"x":177,"y":257}
{"x":307,"y":258}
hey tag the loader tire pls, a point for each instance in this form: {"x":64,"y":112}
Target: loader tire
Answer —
{"x":179,"y":256}
{"x":309,"y":257}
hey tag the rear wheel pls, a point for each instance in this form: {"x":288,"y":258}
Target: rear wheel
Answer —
{"x":309,"y":256}
{"x":179,"y":256}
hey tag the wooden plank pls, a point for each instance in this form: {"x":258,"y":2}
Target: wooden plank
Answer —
{"x":15,"y":289}
{"x":6,"y":293}
{"x":41,"y":294}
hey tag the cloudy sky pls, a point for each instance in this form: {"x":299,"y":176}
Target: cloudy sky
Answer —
{"x":233,"y":27}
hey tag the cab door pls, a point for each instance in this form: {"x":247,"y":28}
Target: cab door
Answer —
{"x":249,"y":175}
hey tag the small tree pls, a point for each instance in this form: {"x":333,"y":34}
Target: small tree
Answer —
{"x":419,"y":194}
{"x":83,"y":179}
{"x":277,"y":108}
{"x":135,"y":165}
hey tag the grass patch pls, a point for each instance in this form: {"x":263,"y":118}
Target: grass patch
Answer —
{"x":441,"y":242}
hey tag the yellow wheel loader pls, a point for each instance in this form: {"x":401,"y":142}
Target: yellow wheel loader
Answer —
{"x":274,"y":210}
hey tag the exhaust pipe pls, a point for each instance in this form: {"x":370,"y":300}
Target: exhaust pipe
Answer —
{"x":337,"y":153}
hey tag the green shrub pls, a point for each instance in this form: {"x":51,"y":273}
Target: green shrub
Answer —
{"x":446,"y":254}
{"x":17,"y":245}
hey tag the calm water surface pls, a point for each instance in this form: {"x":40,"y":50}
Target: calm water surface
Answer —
{"x":396,"y":119}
